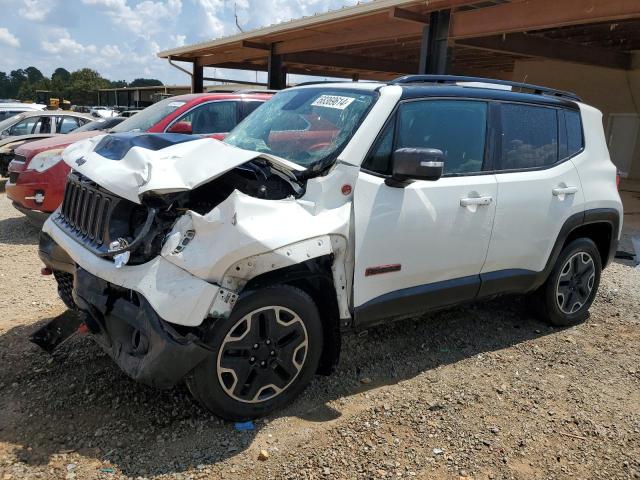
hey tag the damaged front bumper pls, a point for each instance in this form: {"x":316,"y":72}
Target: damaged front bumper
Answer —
{"x":122,"y":320}
{"x":147,"y":348}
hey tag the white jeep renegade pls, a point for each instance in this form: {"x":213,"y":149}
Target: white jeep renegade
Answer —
{"x":237,"y":265}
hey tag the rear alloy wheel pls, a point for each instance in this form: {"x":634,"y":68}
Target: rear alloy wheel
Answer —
{"x":575,"y":282}
{"x":564,"y":299}
{"x":265,"y":354}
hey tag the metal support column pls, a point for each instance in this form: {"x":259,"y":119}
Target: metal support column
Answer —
{"x":434,"y":49}
{"x":197,"y":79}
{"x":276,"y":75}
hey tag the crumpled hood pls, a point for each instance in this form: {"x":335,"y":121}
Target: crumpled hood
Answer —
{"x":130,"y":165}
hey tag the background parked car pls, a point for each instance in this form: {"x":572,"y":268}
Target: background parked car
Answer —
{"x":103,"y":112}
{"x":35,"y":125}
{"x":130,"y":113}
{"x":48,"y":122}
{"x":9,"y":109}
{"x":100,"y":124}
{"x":37,"y":176}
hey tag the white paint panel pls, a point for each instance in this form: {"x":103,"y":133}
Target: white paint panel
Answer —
{"x":423,"y":227}
{"x":529,"y":217}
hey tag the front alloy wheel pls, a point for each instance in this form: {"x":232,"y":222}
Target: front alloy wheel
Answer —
{"x":263,"y":355}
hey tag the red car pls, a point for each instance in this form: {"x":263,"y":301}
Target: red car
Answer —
{"x":37,"y":175}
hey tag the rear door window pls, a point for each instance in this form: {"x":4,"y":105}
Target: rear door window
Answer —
{"x":67,"y":124}
{"x":575,"y":140}
{"x":529,"y":136}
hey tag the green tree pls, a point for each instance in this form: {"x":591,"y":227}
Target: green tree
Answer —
{"x":4,"y":85}
{"x":61,"y":75}
{"x":118,"y":84}
{"x":28,"y":90}
{"x":33,"y":75}
{"x":146,"y":82}
{"x":84,"y":85}
{"x":16,"y":79}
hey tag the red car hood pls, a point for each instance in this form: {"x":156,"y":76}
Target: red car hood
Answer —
{"x":30,"y":149}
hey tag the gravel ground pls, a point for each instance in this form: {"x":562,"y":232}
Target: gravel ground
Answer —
{"x":481,"y":392}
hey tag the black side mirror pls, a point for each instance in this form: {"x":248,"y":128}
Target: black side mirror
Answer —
{"x":410,"y":164}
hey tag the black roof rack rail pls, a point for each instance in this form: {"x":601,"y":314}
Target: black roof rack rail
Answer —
{"x":535,"y":89}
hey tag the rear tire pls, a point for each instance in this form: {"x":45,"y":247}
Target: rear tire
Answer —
{"x":564,"y":299}
{"x":263,"y":355}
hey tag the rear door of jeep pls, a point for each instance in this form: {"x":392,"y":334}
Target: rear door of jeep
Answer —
{"x":539,"y":190}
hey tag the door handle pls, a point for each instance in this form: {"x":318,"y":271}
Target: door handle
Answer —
{"x":564,"y":191}
{"x":467,"y":202}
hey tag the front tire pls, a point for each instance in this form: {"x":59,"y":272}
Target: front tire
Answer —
{"x":263,"y":355}
{"x":564,"y":299}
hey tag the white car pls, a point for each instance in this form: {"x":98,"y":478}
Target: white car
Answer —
{"x":130,"y":113}
{"x":103,"y":112}
{"x":10,"y":109}
{"x":333,"y":207}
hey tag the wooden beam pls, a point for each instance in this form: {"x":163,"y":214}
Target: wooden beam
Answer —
{"x":255,"y":45}
{"x":397,"y":13}
{"x":539,"y":47}
{"x":530,"y":15}
{"x":354,"y":62}
{"x":321,"y":40}
{"x":311,"y":70}
{"x":236,"y":56}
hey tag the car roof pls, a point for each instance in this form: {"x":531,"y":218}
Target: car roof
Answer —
{"x":50,"y":113}
{"x":17,"y":105}
{"x":195,"y":98}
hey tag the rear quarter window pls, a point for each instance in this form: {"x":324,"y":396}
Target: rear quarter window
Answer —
{"x":529,"y":136}
{"x":575,"y":140}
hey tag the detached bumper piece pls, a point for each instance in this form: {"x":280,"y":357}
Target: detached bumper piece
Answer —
{"x":146,"y":347}
{"x":57,"y":331}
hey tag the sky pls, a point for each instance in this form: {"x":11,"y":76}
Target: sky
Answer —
{"x":120,"y":38}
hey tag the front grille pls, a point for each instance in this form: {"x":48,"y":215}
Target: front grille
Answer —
{"x":20,"y":158}
{"x":94,"y":217}
{"x":86,"y":210}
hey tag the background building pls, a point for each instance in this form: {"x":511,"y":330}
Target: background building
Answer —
{"x":585,"y":46}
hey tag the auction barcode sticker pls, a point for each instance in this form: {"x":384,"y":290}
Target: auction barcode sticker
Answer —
{"x":332,"y":101}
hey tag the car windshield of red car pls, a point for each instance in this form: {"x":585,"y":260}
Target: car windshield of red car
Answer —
{"x":148,"y":117}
